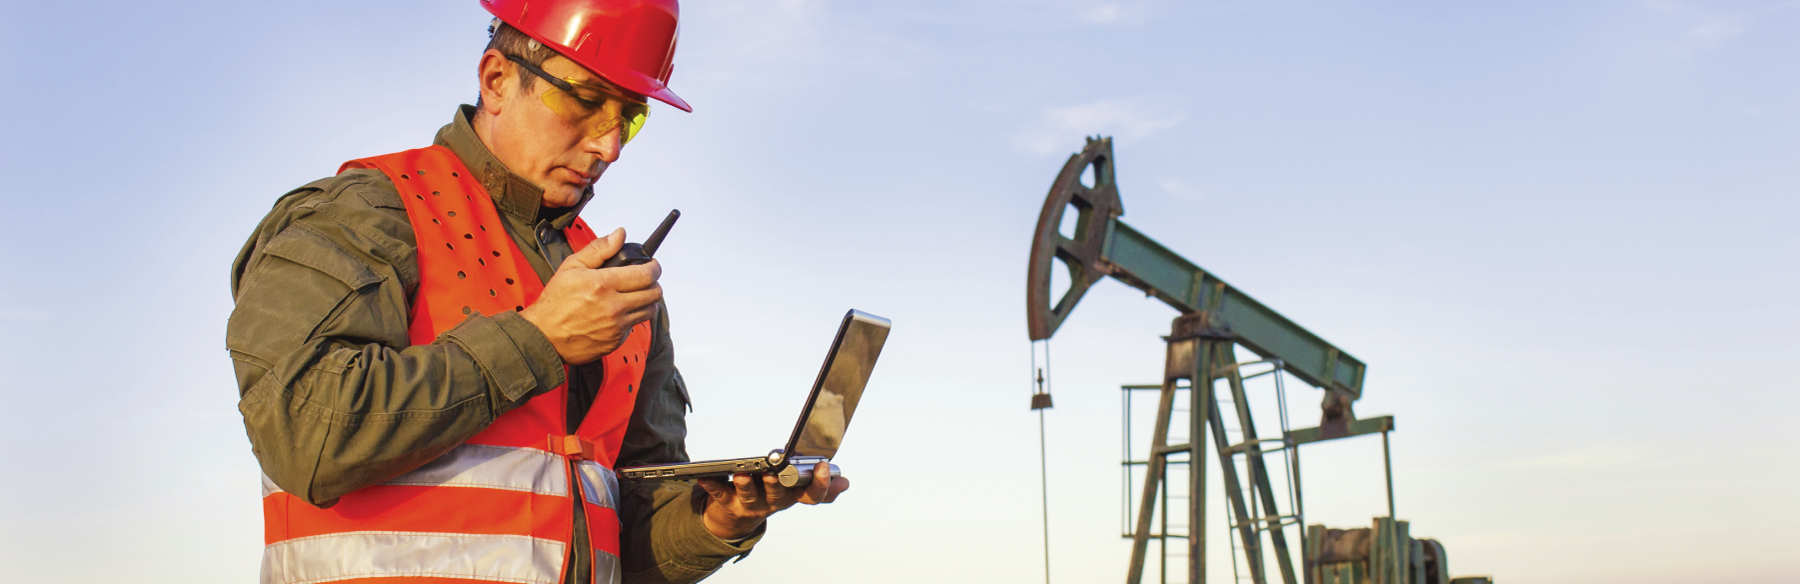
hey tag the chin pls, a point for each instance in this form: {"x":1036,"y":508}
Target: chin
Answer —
{"x":564,"y":197}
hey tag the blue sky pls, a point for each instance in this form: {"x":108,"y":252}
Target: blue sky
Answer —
{"x":1562,"y":234}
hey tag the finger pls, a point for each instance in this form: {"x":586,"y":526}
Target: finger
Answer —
{"x":655,"y":267}
{"x":597,"y":252}
{"x":714,"y":487}
{"x":638,"y":300}
{"x":779,"y":497}
{"x":746,"y":490}
{"x":631,"y":278}
{"x":821,"y":482}
{"x":646,"y":310}
{"x":838,"y":486}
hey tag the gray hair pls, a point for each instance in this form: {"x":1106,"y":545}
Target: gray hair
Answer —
{"x":509,"y":41}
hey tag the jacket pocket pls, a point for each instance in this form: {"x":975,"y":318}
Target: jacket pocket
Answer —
{"x":302,"y":246}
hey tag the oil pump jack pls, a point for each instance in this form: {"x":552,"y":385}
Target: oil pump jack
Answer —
{"x":1216,"y":318}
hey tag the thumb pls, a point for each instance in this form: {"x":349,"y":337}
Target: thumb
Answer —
{"x":596,"y":252}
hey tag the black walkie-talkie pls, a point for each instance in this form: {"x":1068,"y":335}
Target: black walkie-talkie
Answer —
{"x":632,"y":254}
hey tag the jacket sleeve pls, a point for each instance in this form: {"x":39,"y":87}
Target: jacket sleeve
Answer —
{"x":663,"y":540}
{"x":333,"y":397}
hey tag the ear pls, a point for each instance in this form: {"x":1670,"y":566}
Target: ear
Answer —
{"x":497,"y":79}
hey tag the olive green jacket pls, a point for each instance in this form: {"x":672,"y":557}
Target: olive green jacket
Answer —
{"x":336,"y":398}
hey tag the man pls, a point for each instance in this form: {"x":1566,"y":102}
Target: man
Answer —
{"x":428,"y":399}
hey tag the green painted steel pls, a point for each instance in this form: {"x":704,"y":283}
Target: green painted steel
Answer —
{"x":1135,"y":259}
{"x":1215,"y":318}
{"x":1361,"y":427}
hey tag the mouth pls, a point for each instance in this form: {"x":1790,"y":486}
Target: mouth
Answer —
{"x":579,"y":175}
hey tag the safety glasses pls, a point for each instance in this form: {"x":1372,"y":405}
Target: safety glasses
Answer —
{"x":594,"y":109}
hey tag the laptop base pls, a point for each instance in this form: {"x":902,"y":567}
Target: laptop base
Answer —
{"x":694,"y":470}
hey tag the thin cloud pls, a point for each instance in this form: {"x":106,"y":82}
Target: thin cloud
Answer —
{"x":1106,"y":13}
{"x":1718,"y":30}
{"x":802,"y":7}
{"x":1126,"y":119}
{"x":1180,"y":189}
{"x":1707,"y":29}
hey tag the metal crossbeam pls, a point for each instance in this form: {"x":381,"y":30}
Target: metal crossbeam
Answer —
{"x":1375,"y":425}
{"x":1135,"y":259}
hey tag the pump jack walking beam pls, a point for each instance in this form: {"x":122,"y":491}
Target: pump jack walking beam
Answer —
{"x":1105,"y":246}
{"x":1215,"y":317}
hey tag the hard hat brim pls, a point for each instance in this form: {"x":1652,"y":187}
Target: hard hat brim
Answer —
{"x":630,"y":43}
{"x":632,"y":80}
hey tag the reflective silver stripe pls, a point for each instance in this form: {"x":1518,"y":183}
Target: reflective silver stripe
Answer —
{"x":374,"y":554}
{"x":495,"y":467}
{"x":606,"y":568}
{"x":599,"y":484}
{"x":269,"y":487}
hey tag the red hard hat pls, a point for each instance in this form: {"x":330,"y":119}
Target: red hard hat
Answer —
{"x":628,"y":42}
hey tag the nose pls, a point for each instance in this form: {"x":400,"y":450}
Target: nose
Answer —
{"x":606,"y":146}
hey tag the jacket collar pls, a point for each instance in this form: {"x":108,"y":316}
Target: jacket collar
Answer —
{"x":514,"y":196}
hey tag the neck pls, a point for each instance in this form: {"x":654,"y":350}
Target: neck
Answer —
{"x":483,"y":123}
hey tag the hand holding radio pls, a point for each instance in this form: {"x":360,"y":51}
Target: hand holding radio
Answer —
{"x":589,"y":305}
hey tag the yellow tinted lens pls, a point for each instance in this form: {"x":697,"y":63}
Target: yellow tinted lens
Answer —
{"x":591,"y":116}
{"x":635,"y":114}
{"x":597,"y":113}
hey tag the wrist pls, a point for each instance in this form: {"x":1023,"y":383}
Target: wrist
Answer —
{"x":728,"y":528}
{"x":537,"y":321}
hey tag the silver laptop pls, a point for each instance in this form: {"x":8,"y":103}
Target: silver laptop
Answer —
{"x":823,"y":420}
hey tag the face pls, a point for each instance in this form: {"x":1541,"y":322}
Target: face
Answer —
{"x":535,"y":142}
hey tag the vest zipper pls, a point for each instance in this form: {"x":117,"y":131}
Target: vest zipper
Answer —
{"x":547,"y":237}
{"x":577,"y":516}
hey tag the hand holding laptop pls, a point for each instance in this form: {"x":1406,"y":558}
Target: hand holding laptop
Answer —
{"x":801,"y":472}
{"x":738,"y":506}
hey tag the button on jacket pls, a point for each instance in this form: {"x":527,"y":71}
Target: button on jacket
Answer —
{"x":335,"y":398}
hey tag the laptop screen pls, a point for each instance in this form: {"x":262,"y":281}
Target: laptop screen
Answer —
{"x":840,"y":385}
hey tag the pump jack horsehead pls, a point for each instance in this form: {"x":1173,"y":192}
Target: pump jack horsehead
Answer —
{"x":1215,"y":317}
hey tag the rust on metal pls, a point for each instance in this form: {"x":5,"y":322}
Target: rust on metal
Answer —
{"x":1096,"y":206}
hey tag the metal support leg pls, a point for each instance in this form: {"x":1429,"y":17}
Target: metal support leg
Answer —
{"x":1162,"y":543}
{"x":1259,"y":472}
{"x":1181,"y":363}
{"x":1306,"y":559}
{"x":1234,"y":493}
{"x":1387,"y":464}
{"x":1200,"y":399}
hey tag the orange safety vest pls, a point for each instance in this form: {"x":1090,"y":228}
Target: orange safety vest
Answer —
{"x":499,"y":507}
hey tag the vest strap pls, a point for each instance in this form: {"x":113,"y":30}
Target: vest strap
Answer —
{"x":573,"y":447}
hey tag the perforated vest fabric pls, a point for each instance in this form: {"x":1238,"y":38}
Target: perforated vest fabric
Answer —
{"x":499,"y":507}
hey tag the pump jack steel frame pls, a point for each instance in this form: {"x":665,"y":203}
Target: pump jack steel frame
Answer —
{"x":1215,"y":318}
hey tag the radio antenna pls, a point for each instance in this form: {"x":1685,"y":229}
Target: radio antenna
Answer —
{"x":656,"y":237}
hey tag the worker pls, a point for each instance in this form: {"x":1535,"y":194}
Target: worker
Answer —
{"x":436,"y":374}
